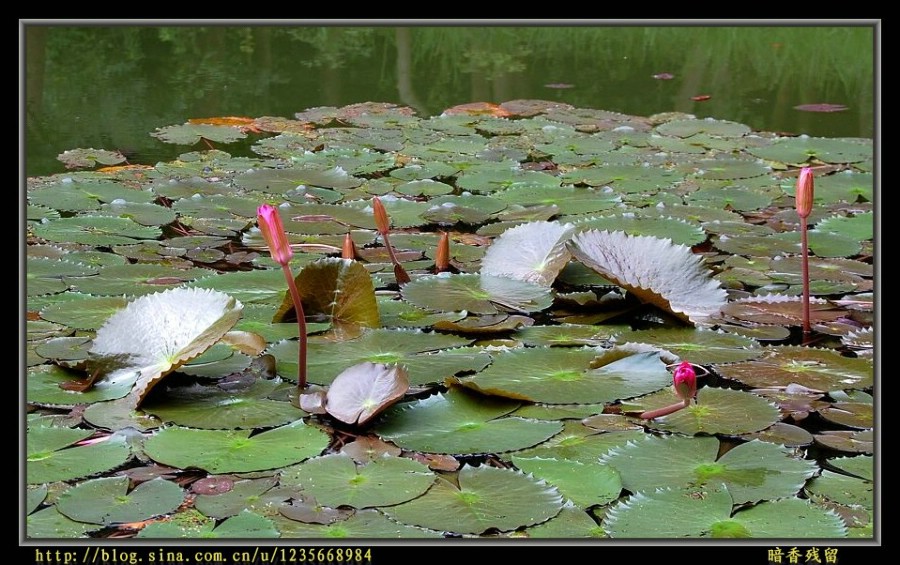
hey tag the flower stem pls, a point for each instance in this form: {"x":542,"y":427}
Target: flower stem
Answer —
{"x":301,"y":325}
{"x":666,"y":410}
{"x":804,"y":244}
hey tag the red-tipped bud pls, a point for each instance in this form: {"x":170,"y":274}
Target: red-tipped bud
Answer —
{"x":803,"y":196}
{"x":685,"y":380}
{"x":381,"y":217}
{"x":442,"y":257}
{"x":348,"y":251}
{"x":272,"y":229}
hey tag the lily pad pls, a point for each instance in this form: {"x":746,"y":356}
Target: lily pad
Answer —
{"x":368,"y":523}
{"x":819,"y":369}
{"x":799,"y":150}
{"x":578,"y":442}
{"x":50,"y":456}
{"x":156,"y":334}
{"x":534,"y":252}
{"x":50,"y":523}
{"x":752,"y":471}
{"x":584,"y":484}
{"x":189,"y":134}
{"x":236,"y":451}
{"x":569,"y":523}
{"x":717,"y":411}
{"x":706,"y":512}
{"x":212,"y":407}
{"x":248,"y":494}
{"x":361,"y":392}
{"x":696,"y":345}
{"x":336,"y":480}
{"x":681,"y":232}
{"x":43,"y":387}
{"x":655,"y":270}
{"x":95,"y":230}
{"x":479,"y":294}
{"x":568,"y":199}
{"x":485,"y":498}
{"x":108,"y":501}
{"x":565,"y":376}
{"x":462,"y":423}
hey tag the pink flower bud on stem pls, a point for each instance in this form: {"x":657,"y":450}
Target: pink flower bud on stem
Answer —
{"x":384,"y":225}
{"x":803,"y":200}
{"x":270,"y":225}
{"x":685,"y":382}
{"x":348,"y":250}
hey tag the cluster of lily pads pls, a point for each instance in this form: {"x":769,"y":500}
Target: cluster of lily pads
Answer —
{"x":589,"y":250}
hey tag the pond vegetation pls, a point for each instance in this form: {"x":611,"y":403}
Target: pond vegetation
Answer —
{"x":560,"y":261}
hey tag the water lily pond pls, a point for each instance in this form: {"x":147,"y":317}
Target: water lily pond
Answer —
{"x":496,"y":394}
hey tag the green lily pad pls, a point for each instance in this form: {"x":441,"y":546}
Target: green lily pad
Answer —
{"x":578,"y":442}
{"x":34,"y":496}
{"x":569,"y":199}
{"x":706,"y":512}
{"x":818,"y":369}
{"x":50,"y":523}
{"x":461,"y":423}
{"x":402,"y":213}
{"x":569,"y":523}
{"x":156,"y":334}
{"x":205,"y":407}
{"x":823,"y":244}
{"x":533,"y":252}
{"x":479,"y":294}
{"x":43,"y":388}
{"x":565,"y":376}
{"x":86,"y":313}
{"x":86,"y":196}
{"x":858,"y":227}
{"x":568,"y":335}
{"x":717,"y":411}
{"x":247,"y":524}
{"x":189,"y":134}
{"x":680,"y":232}
{"x":108,"y":501}
{"x":135,"y":279}
{"x":250,"y":287}
{"x":364,"y":524}
{"x":584,"y":484}
{"x":847,"y":186}
{"x":248,"y":494}
{"x":95,"y":230}
{"x":77,"y":158}
{"x":69,"y":350}
{"x":861,"y":466}
{"x":782,"y":434}
{"x":236,"y":451}
{"x":733,"y":198}
{"x":655,"y":270}
{"x":328,"y":359}
{"x":398,"y":314}
{"x":752,"y":471}
{"x":698,"y":346}
{"x":50,"y":457}
{"x":850,"y":414}
{"x":843,"y":489}
{"x":144,"y":213}
{"x":335,"y":480}
{"x":799,"y":150}
{"x":709,"y":126}
{"x":486,"y":498}
{"x":119,"y":414}
{"x":435,"y":367}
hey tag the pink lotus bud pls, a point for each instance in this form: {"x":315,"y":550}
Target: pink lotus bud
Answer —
{"x":272,"y":229}
{"x":685,"y":381}
{"x":381,"y":217}
{"x":803,"y":196}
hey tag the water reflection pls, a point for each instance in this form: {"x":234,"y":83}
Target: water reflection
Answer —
{"x":109,"y":87}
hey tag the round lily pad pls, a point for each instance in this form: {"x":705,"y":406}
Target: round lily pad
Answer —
{"x":95,"y":230}
{"x":479,"y":294}
{"x":461,"y":423}
{"x":236,"y":451}
{"x":50,"y":523}
{"x":584,"y":484}
{"x":679,"y":231}
{"x":717,"y":411}
{"x":565,"y":376}
{"x":696,"y":345}
{"x":368,"y":523}
{"x":108,"y":501}
{"x":50,"y":456}
{"x":569,"y":523}
{"x":336,"y":480}
{"x":485,"y":498}
{"x":249,"y":494}
{"x":43,"y":387}
{"x":752,"y":471}
{"x":202,"y":407}
{"x":189,"y":134}
{"x":814,"y":368}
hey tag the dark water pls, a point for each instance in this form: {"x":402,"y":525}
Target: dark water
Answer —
{"x":108,"y":87}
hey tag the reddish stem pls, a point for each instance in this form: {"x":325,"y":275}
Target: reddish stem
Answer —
{"x":804,"y":245}
{"x":399,"y":272}
{"x":666,"y":410}
{"x":301,"y":324}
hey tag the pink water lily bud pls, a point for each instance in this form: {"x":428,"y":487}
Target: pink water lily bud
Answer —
{"x":685,"y":380}
{"x":348,"y":250}
{"x":803,"y":196}
{"x":272,"y":229}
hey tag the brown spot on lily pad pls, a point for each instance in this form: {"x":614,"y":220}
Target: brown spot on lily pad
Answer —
{"x":212,"y":485}
{"x":822,"y":107}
